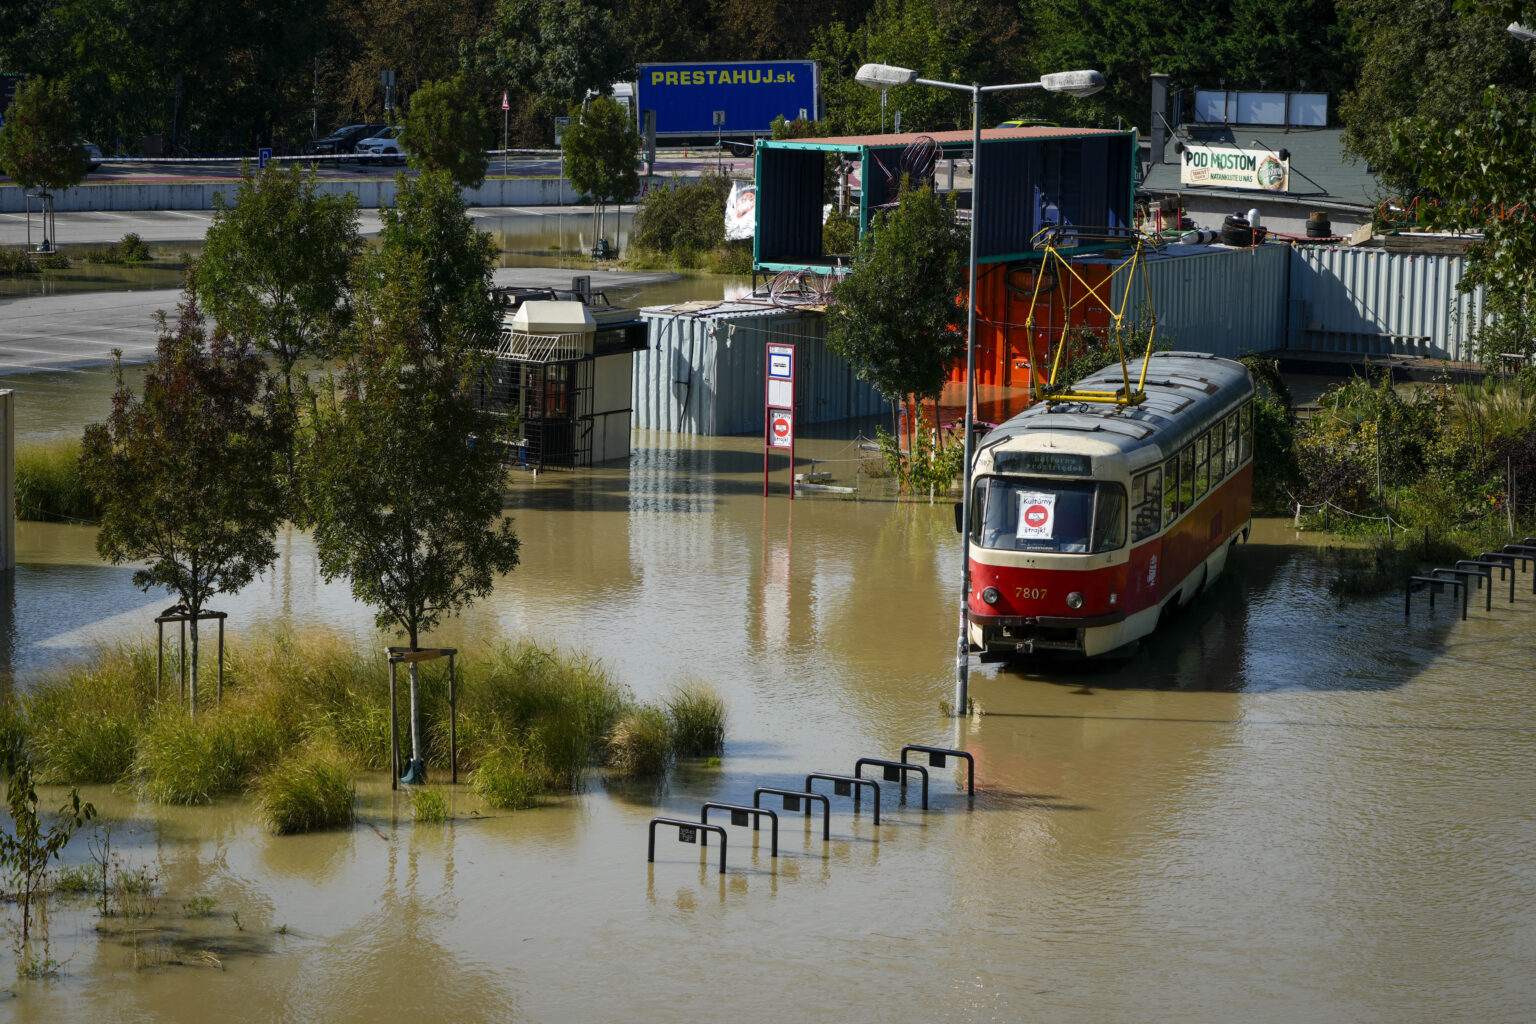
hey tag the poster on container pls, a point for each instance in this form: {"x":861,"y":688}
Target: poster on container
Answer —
{"x":1037,"y":515}
{"x":741,"y":211}
{"x":1225,"y":167}
{"x":750,"y":93}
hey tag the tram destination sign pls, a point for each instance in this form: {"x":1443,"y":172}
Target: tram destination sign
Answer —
{"x":1049,"y":463}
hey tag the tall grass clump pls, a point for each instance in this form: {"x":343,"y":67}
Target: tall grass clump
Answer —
{"x":83,"y":719}
{"x":557,"y":708}
{"x":641,"y":743}
{"x":49,"y":487}
{"x":310,"y":789}
{"x":182,"y":761}
{"x":698,"y":720}
{"x":509,"y":777}
{"x":429,"y":805}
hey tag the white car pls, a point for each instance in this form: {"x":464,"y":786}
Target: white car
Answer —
{"x":384,"y":147}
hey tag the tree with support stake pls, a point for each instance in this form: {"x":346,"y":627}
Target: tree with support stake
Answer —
{"x":184,"y":471}
{"x":402,"y":474}
{"x":39,"y":147}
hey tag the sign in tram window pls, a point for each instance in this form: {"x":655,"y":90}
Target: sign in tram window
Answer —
{"x":1247,"y":438}
{"x":1049,"y":463}
{"x":1146,"y":504}
{"x":1171,"y":489}
{"x":1202,"y":465}
{"x":1037,"y":515}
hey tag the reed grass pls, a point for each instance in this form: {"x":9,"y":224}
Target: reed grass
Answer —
{"x":82,"y":720}
{"x":429,"y":805}
{"x":531,"y":720}
{"x":697,"y":716}
{"x":508,"y":777}
{"x":185,"y":761}
{"x":641,"y":743}
{"x":77,"y":880}
{"x":49,"y":486}
{"x":311,"y":789}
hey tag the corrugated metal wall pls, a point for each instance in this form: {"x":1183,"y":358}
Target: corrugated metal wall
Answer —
{"x":1376,"y":302}
{"x":1227,"y":302}
{"x":705,"y":373}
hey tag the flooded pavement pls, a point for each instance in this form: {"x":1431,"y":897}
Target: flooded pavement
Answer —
{"x":1279,"y":809}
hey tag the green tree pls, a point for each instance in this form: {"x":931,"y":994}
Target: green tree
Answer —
{"x":896,"y":317}
{"x":429,"y":219}
{"x":561,"y":50}
{"x":1420,"y":60}
{"x":402,"y":473}
{"x":275,"y":262}
{"x":184,"y":472}
{"x":601,"y":152}
{"x":1481,"y":174}
{"x":447,"y":129}
{"x":38,"y":142}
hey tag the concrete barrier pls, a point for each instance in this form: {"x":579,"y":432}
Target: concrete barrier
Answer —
{"x":371,"y":194}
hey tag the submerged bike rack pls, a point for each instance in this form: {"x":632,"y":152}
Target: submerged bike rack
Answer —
{"x":844,"y":785}
{"x":1490,"y":566}
{"x":895,"y":771}
{"x":1416,"y":583}
{"x":687,"y":832}
{"x":937,"y":756}
{"x":740,"y":813}
{"x":792,"y":801}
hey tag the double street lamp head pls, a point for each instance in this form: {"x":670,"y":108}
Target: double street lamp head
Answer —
{"x":1072,"y":83}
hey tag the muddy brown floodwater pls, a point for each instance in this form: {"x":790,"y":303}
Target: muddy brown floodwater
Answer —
{"x":1278,"y":810}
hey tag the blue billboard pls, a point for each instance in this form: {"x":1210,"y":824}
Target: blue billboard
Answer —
{"x":751,"y":94}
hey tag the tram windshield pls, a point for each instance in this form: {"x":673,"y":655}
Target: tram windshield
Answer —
{"x":1036,"y":514}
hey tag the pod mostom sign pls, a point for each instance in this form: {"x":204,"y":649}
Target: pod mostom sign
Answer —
{"x":750,"y":93}
{"x":1224,"y":167}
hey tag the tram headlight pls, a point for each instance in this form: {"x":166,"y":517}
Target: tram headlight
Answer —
{"x":1075,"y":600}
{"x":990,"y":595}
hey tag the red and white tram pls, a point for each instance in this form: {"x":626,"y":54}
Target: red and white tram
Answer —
{"x":1089,"y":520}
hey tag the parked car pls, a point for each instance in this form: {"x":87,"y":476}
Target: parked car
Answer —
{"x":93,"y":154}
{"x":1029,"y":122}
{"x":384,"y":147}
{"x":345,"y":140}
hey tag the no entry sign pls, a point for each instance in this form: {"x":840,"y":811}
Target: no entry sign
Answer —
{"x":781,"y":428}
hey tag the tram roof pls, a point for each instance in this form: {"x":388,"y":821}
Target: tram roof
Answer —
{"x":1180,"y":386}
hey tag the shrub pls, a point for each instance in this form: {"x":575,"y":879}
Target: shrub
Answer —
{"x":698,"y":720}
{"x":130,"y":250}
{"x":641,"y":743}
{"x":313,"y":790}
{"x":683,"y":222}
{"x":49,"y":486}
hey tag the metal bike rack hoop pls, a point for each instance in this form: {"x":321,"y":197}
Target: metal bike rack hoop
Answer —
{"x":843,"y":785}
{"x":739,"y":815}
{"x":937,"y":756}
{"x":687,"y":832}
{"x":895,"y":771}
{"x":792,"y":803}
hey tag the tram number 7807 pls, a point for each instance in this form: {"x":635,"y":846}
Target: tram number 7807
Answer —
{"x":1028,"y":593}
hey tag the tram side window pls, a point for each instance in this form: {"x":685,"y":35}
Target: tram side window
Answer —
{"x":1232,"y":432}
{"x":1202,"y":465}
{"x":1247,"y":436}
{"x":1109,"y":518}
{"x":1171,"y":490}
{"x":1146,"y":504}
{"x":1218,"y":455}
{"x":1186,"y":478}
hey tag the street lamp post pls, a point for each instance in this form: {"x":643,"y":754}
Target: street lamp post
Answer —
{"x":1073,"y":83}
